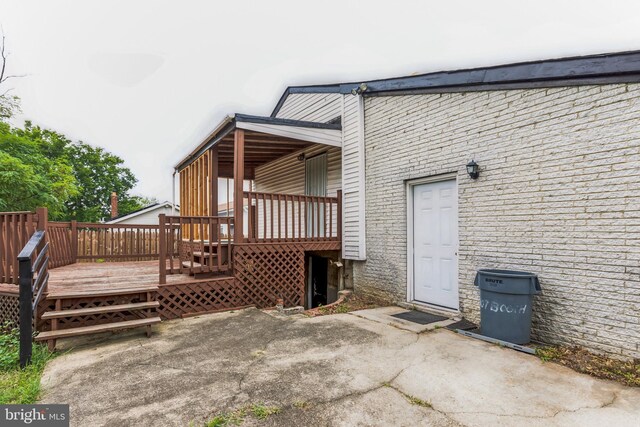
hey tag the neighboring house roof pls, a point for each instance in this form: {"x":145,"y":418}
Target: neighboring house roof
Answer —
{"x":619,"y":67}
{"x":141,"y":211}
{"x":222,"y":207}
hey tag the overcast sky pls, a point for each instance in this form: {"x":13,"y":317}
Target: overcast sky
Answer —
{"x":148,"y":79}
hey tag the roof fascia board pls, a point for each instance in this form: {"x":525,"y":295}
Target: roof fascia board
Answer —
{"x":333,"y":88}
{"x":326,"y":136}
{"x":286,"y":122}
{"x":628,"y":78}
{"x":577,"y":70}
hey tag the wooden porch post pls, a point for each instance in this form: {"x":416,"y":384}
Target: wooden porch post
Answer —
{"x":162,"y":249}
{"x":238,"y":181}
{"x":213,"y":186}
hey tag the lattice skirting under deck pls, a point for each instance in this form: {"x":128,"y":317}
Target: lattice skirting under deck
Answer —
{"x":176,"y":300}
{"x":9,"y":309}
{"x":266,"y":272}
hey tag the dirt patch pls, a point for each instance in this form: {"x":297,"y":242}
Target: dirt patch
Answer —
{"x":351,"y":302}
{"x":581,"y":360}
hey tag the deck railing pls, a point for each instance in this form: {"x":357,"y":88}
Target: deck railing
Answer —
{"x":291,"y":217}
{"x":15,"y":230}
{"x":117,"y":242}
{"x":64,"y":247}
{"x":34,"y":279}
{"x":201,"y":244}
{"x":90,"y":242}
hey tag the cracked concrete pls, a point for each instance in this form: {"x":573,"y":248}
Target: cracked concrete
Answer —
{"x":339,"y":370}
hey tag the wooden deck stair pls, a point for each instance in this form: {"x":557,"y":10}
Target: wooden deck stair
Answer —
{"x":94,"y":329}
{"x":85,"y":311}
{"x":206,"y":261}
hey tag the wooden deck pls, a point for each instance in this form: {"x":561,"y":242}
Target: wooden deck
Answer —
{"x":91,"y":278}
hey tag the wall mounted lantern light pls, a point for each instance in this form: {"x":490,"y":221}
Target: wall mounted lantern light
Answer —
{"x":473,"y":169}
{"x":301,"y":157}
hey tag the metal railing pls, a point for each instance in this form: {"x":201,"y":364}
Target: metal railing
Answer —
{"x":34,"y":278}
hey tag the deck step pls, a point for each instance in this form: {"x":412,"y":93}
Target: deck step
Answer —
{"x":206,"y":254}
{"x":94,"y":329}
{"x":187,"y":264}
{"x":100,"y":292}
{"x":101,"y":309}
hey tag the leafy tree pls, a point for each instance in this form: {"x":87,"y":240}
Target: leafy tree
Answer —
{"x":99,"y":173}
{"x":30,"y":178}
{"x":41,"y":167}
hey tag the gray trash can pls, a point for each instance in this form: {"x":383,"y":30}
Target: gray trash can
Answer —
{"x":505,"y":304}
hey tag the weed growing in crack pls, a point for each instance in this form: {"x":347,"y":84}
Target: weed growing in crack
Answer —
{"x":301,"y":404}
{"x":417,"y":401}
{"x":237,"y":416}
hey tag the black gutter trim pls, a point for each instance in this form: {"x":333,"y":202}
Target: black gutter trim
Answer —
{"x":627,"y":78}
{"x":592,"y":69}
{"x":331,"y":88}
{"x":286,"y":122}
{"x":212,"y":141}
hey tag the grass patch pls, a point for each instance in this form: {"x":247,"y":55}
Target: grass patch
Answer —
{"x":262,"y":411}
{"x":21,"y":386}
{"x":581,"y":360}
{"x":237,"y":416}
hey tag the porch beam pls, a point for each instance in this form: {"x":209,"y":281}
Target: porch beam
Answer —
{"x":238,"y":181}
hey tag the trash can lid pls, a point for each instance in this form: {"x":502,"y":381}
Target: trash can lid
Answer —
{"x":507,"y":281}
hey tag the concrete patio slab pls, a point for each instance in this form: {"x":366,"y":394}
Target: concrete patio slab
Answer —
{"x":339,"y":370}
{"x":384,"y":315}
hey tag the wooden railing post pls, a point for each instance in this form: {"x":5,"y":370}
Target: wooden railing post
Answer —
{"x":43,"y":218}
{"x":339,"y":216}
{"x":74,"y":240}
{"x":26,"y":309}
{"x":162,"y":248}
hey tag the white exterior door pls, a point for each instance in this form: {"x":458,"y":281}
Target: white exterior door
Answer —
{"x":435,"y":243}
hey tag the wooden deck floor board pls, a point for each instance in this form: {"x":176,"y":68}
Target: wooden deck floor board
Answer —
{"x":91,"y":277}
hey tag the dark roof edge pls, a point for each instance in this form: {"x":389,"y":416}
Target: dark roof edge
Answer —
{"x":591,"y":69}
{"x":209,"y":142}
{"x":286,"y":122}
{"x":331,"y":88}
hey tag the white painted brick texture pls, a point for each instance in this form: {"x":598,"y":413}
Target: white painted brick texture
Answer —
{"x":558,"y":195}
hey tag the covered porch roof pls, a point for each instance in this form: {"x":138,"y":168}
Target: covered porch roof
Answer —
{"x":265,"y":139}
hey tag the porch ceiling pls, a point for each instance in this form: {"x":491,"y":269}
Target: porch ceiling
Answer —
{"x":266,"y":139}
{"x":260,"y":148}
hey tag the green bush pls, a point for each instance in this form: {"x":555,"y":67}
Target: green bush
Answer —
{"x":20,"y":385}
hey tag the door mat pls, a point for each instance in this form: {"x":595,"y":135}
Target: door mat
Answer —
{"x":463,"y":324}
{"x":416,"y":316}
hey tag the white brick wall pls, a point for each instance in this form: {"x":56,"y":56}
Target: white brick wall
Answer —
{"x":558,"y":195}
